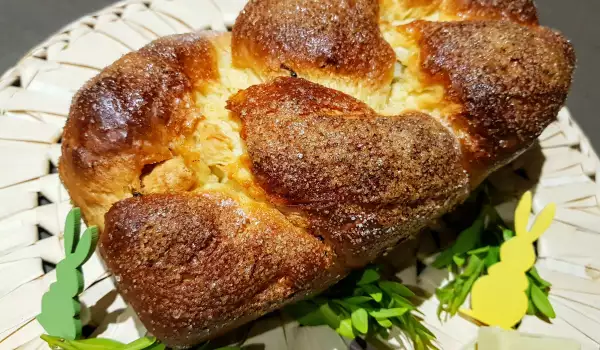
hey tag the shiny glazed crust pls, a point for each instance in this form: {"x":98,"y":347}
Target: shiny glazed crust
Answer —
{"x":206,"y":263}
{"x":128,"y":116}
{"x":521,"y":11}
{"x":232,"y":173}
{"x":509,"y":80}
{"x":359,"y":178}
{"x":314,"y":38}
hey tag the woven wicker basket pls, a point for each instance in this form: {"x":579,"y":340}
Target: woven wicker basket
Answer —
{"x":34,"y":102}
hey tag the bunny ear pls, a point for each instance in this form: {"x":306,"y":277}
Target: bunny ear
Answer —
{"x":522,"y":214}
{"x":542,"y":221}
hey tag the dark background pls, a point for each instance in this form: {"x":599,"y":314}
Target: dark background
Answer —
{"x":25,"y":23}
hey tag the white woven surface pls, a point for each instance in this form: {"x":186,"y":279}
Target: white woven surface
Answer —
{"x":34,"y":102}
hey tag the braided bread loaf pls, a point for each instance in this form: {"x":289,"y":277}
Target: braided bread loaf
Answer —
{"x":232,"y":173}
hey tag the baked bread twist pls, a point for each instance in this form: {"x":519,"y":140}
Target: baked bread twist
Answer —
{"x":232,"y":173}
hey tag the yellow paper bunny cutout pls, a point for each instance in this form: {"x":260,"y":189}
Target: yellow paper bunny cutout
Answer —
{"x":499,"y":298}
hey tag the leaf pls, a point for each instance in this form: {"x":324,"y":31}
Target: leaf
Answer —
{"x":396,"y":288}
{"x":530,"y":307}
{"x":445,"y":293}
{"x":368,"y":276}
{"x":94,"y":343}
{"x":448,"y":290}
{"x":443,"y":259}
{"x":345,"y":307}
{"x":161,"y":346}
{"x":314,"y":318}
{"x":389,"y":313}
{"x":474,"y":265}
{"x":140,"y":344}
{"x":306,"y":313}
{"x":423,"y":330}
{"x":466,"y":287}
{"x":358,"y":300}
{"x":458,"y":260}
{"x":419,"y":344}
{"x":360,"y":320}
{"x":507,"y":234}
{"x":384,"y":322}
{"x":55,"y":342}
{"x":330,"y":317}
{"x":383,"y":332}
{"x":402,"y":302}
{"x":538,"y":279}
{"x":97,"y":344}
{"x":373,"y":291}
{"x":479,"y":250}
{"x":467,"y":240}
{"x":390,"y":301}
{"x":345,"y":328}
{"x":541,"y":302}
{"x":407,"y":325}
{"x":492,"y":257}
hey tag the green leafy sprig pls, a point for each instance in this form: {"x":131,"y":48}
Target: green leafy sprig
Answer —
{"x":474,"y":251}
{"x":365,"y":305}
{"x":144,"y":343}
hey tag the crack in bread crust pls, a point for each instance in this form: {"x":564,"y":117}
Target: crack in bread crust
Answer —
{"x":252,"y":191}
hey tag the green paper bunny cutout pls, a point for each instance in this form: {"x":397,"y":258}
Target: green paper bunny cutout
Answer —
{"x":60,"y":305}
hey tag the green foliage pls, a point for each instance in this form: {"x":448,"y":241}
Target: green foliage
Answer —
{"x":538,"y":290}
{"x":475,"y":250}
{"x":364,"y":305}
{"x":145,"y":343}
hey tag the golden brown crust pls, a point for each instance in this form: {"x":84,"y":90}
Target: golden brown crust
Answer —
{"x":520,"y":11}
{"x":193,"y":54}
{"x":316,"y":181}
{"x":127,"y":117}
{"x":128,"y":105}
{"x":511,"y":81}
{"x":194,"y":265}
{"x":322,"y":152}
{"x":338,"y":39}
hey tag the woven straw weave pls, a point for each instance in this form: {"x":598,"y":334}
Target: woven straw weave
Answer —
{"x":34,"y":102}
